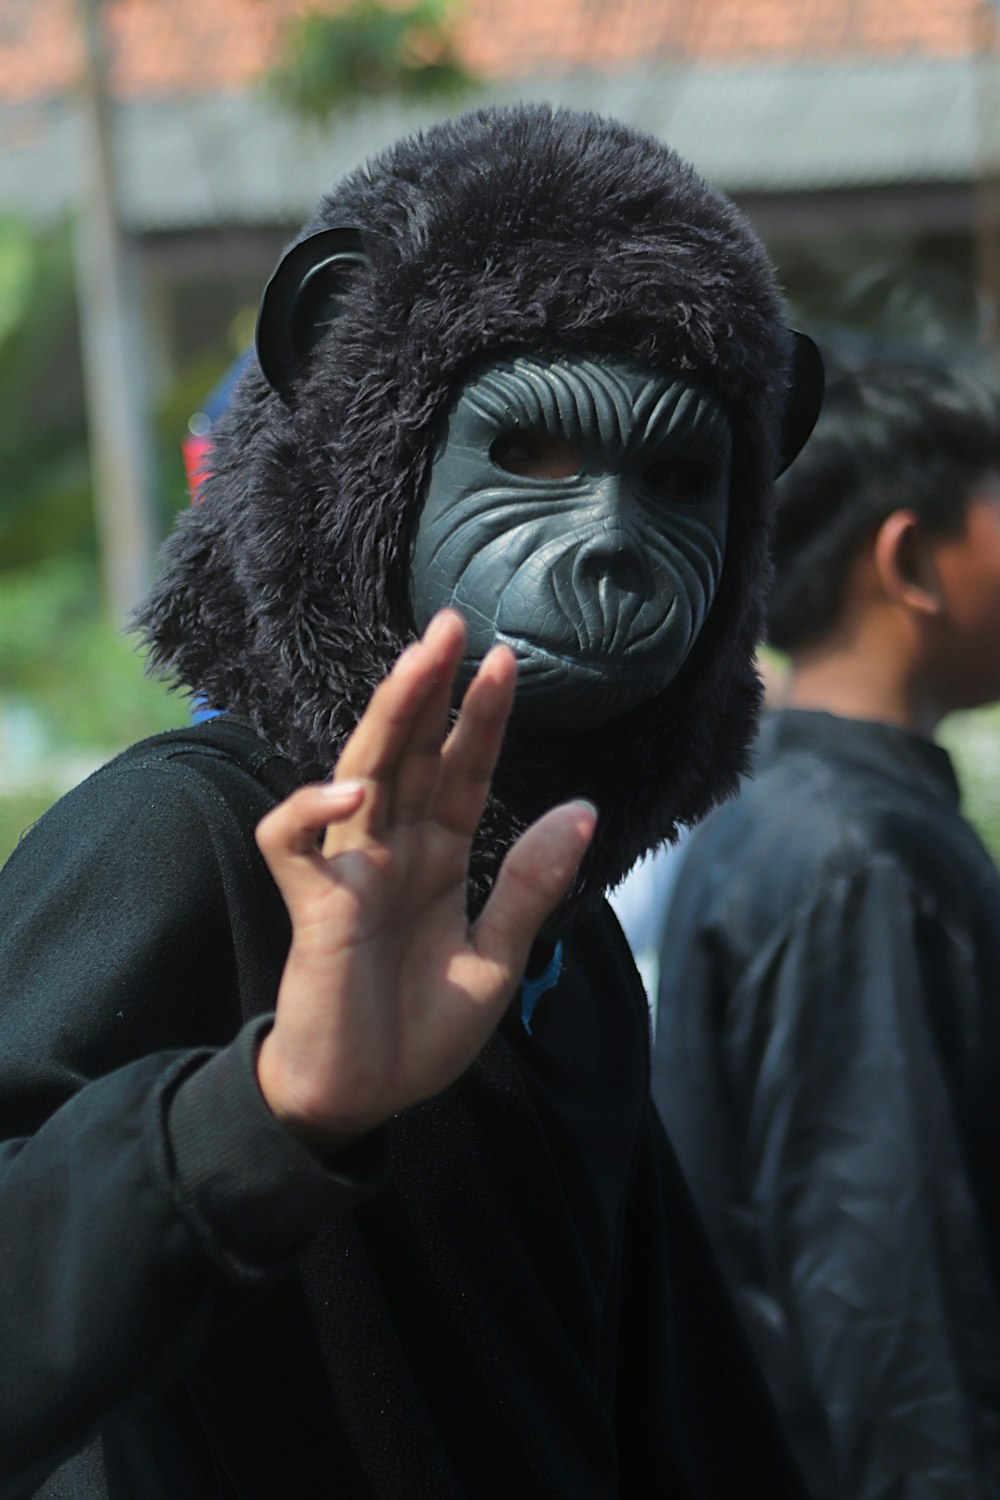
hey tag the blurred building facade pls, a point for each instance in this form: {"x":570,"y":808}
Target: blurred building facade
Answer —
{"x":857,"y":137}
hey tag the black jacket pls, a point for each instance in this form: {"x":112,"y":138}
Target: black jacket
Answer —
{"x":505,"y":1294}
{"x":827,"y":1063}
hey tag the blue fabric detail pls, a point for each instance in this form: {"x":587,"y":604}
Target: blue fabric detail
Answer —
{"x":532,"y":990}
{"x":201,"y":711}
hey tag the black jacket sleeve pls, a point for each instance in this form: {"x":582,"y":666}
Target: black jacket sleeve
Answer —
{"x":856,"y":1173}
{"x":145,"y":1188}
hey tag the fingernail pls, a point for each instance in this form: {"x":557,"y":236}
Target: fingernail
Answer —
{"x":342,"y":791}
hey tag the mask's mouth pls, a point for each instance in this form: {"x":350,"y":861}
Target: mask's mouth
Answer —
{"x":623,"y":656}
{"x":533,"y":657}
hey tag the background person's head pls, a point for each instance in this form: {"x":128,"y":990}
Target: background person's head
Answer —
{"x":887,"y":548}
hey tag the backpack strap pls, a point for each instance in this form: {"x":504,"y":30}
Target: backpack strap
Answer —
{"x":238,"y":742}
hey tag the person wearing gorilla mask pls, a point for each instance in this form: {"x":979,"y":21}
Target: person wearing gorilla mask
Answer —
{"x":330,"y":1165}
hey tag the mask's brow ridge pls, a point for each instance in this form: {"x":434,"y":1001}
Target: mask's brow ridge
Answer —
{"x":555,"y":398}
{"x":573,"y":400}
{"x":686,"y":415}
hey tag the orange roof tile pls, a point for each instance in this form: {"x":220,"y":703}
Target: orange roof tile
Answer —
{"x":171,"y":47}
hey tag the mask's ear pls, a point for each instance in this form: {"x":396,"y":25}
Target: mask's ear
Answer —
{"x":805,"y":397}
{"x":303,"y":297}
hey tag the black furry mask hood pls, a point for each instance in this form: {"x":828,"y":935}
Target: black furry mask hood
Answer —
{"x":284,"y":595}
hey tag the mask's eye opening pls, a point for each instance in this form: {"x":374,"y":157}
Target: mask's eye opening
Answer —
{"x":536,"y":455}
{"x":677,"y":482}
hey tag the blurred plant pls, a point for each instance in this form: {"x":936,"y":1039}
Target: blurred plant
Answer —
{"x":973,"y":739}
{"x":16,"y":273}
{"x":372,"y":48}
{"x":83,"y":681}
{"x":44,"y":481}
{"x":46,"y":507}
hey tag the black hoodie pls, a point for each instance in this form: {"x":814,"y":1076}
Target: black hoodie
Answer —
{"x":506,"y":1293}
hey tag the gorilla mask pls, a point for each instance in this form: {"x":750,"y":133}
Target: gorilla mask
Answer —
{"x":576,"y":512}
{"x":528,"y":363}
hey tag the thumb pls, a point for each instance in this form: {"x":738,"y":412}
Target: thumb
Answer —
{"x":533,"y":879}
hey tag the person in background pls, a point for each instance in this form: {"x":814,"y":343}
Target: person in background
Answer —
{"x":828,"y":1040}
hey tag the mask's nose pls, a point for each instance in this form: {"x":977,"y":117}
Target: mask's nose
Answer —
{"x":603,"y":581}
{"x":611,"y":555}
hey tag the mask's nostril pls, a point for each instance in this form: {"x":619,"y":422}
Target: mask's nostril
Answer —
{"x":616,"y":561}
{"x":626,"y":571}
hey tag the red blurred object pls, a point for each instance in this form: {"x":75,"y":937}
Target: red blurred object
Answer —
{"x":196,"y":450}
{"x":196,"y":444}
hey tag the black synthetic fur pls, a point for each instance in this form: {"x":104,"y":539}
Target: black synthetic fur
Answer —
{"x":285,"y":595}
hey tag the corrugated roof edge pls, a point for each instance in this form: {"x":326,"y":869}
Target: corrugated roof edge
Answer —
{"x":236,"y":159}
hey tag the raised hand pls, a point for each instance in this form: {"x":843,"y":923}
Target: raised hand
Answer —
{"x":388,"y":994}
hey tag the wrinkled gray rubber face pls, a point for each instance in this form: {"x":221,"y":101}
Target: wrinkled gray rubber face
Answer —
{"x":599,"y":576}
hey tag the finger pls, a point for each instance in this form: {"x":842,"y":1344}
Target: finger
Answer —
{"x":374,"y":751}
{"x":470,"y":754}
{"x":287,"y":836}
{"x":533,"y":879}
{"x":419,"y":761}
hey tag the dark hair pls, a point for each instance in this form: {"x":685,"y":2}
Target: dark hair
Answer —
{"x":890,"y":437}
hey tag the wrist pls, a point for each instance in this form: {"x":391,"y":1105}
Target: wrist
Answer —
{"x":292,"y":1102}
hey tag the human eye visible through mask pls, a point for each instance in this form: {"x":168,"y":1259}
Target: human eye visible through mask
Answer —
{"x":536,"y":455}
{"x":677,"y":481}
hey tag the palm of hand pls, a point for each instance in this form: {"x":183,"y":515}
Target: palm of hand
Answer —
{"x":387,"y":994}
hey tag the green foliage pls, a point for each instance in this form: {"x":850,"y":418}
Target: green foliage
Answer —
{"x":44,"y":483}
{"x":72,"y":690}
{"x":16,"y":274}
{"x":973,"y":740}
{"x":60,"y":658}
{"x":46,"y":503}
{"x":368,"y":50}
